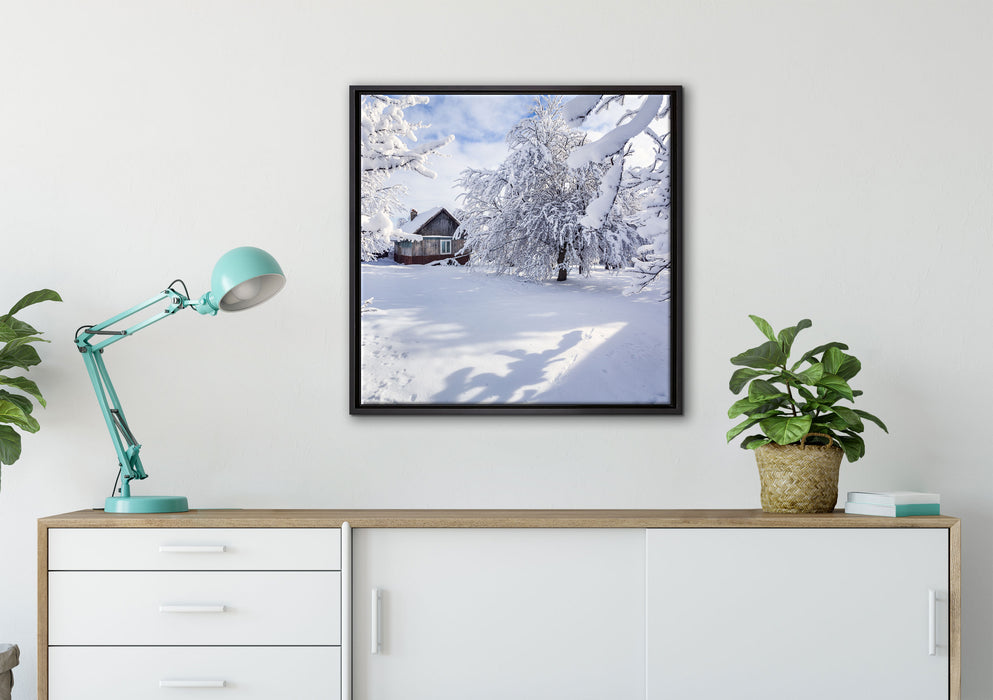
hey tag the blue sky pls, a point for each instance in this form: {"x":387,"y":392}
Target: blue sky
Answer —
{"x":480,"y":124}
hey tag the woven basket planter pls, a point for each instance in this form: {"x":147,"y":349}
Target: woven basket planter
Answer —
{"x":799,"y":478}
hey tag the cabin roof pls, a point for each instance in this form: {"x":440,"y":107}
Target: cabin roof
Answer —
{"x":423,"y":218}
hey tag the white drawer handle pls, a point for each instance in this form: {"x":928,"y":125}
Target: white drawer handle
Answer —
{"x":191,"y":608}
{"x":932,"y":621}
{"x":191,"y":548}
{"x":377,"y":621}
{"x":191,"y":684}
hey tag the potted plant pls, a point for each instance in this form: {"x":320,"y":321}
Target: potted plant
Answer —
{"x":800,"y":408}
{"x":16,"y":338}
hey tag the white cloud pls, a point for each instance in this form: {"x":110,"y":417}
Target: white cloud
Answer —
{"x":480,"y":124}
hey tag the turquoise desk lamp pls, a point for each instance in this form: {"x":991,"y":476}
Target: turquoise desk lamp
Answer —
{"x":242,"y":278}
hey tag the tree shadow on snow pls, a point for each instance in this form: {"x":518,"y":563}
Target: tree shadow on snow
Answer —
{"x":528,"y":369}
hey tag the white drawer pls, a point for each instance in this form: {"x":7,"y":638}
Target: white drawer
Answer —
{"x":134,"y":549}
{"x":248,"y":673}
{"x":194,"y":607}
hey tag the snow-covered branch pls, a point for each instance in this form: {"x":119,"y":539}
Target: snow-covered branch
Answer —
{"x":387,"y":142}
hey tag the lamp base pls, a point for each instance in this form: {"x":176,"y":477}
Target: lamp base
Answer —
{"x":146,"y":504}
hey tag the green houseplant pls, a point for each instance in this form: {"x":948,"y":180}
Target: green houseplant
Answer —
{"x":16,"y":352}
{"x":802,"y":411}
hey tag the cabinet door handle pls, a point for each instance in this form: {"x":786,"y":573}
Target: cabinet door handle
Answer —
{"x":191,"y":608}
{"x":377,"y":621}
{"x":192,"y":684}
{"x":932,"y":621}
{"x":191,"y":548}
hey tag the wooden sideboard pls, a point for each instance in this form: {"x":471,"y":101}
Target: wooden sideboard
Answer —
{"x":374,"y":604}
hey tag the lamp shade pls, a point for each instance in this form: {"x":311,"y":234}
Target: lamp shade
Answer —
{"x":245,"y":277}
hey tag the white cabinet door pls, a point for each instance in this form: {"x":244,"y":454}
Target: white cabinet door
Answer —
{"x":497,"y":614}
{"x":785,"y":614}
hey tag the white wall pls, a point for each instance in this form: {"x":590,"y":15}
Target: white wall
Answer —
{"x":838,"y":167}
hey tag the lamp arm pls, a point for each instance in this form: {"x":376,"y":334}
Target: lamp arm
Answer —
{"x":125,"y":444}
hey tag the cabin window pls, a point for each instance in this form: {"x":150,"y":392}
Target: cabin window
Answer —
{"x":446,"y":247}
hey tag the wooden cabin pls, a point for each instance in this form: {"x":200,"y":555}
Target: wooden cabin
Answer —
{"x":431,"y":237}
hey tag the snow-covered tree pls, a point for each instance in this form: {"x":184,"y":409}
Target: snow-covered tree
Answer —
{"x":653,"y":262}
{"x":529,"y":217}
{"x":651,"y":185}
{"x":387,"y":145}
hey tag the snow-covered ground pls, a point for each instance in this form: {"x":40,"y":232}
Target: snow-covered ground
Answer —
{"x":441,"y":334}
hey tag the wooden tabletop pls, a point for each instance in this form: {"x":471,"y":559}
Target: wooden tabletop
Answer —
{"x":444,"y":518}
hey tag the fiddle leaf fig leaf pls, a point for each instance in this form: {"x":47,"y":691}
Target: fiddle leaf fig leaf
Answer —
{"x":849,"y":417}
{"x":766,"y":356}
{"x":742,"y":377}
{"x":19,"y":328}
{"x":785,"y":430}
{"x":746,"y":424}
{"x":742,"y":406}
{"x":763,"y":326}
{"x":836,"y":384}
{"x":10,"y":412}
{"x":33,"y":298}
{"x":22,"y":356}
{"x":753,"y":441}
{"x":22,"y":402}
{"x":812,"y":374}
{"x":788,"y":335}
{"x":25,"y":385}
{"x":811,"y":354}
{"x":23,"y":340}
{"x":869,"y":417}
{"x":762,"y":391}
{"x":850,"y":366}
{"x":10,"y":445}
{"x":7,"y":333}
{"x":853,"y":445}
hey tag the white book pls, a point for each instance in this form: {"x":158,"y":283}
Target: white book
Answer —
{"x":892,"y":498}
{"x":898,"y":511}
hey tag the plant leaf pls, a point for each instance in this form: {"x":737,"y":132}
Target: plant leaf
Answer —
{"x":23,"y":357}
{"x":853,"y":445}
{"x":812,"y":374}
{"x":766,"y":356}
{"x":786,"y":429}
{"x":20,"y":328}
{"x":851,"y":419}
{"x":753,"y":441}
{"x":850,"y":366}
{"x":23,"y":402}
{"x":836,"y":384}
{"x":744,"y":405}
{"x":762,"y":391}
{"x":7,"y":333}
{"x":763,"y":326}
{"x":25,"y":385}
{"x":810,"y":354}
{"x":23,"y":340}
{"x":10,"y":445}
{"x":788,"y":335}
{"x":869,"y":417}
{"x":10,"y":412}
{"x":747,"y":423}
{"x":34,"y":298}
{"x":742,"y":377}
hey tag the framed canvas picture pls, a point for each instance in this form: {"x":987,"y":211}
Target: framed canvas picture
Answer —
{"x":515,"y":250}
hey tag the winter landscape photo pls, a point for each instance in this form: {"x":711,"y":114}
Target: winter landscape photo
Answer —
{"x":515,"y":249}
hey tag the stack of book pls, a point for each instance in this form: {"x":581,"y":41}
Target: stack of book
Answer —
{"x":893,"y":504}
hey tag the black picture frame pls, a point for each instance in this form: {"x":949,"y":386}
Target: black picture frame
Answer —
{"x":669,"y":405}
